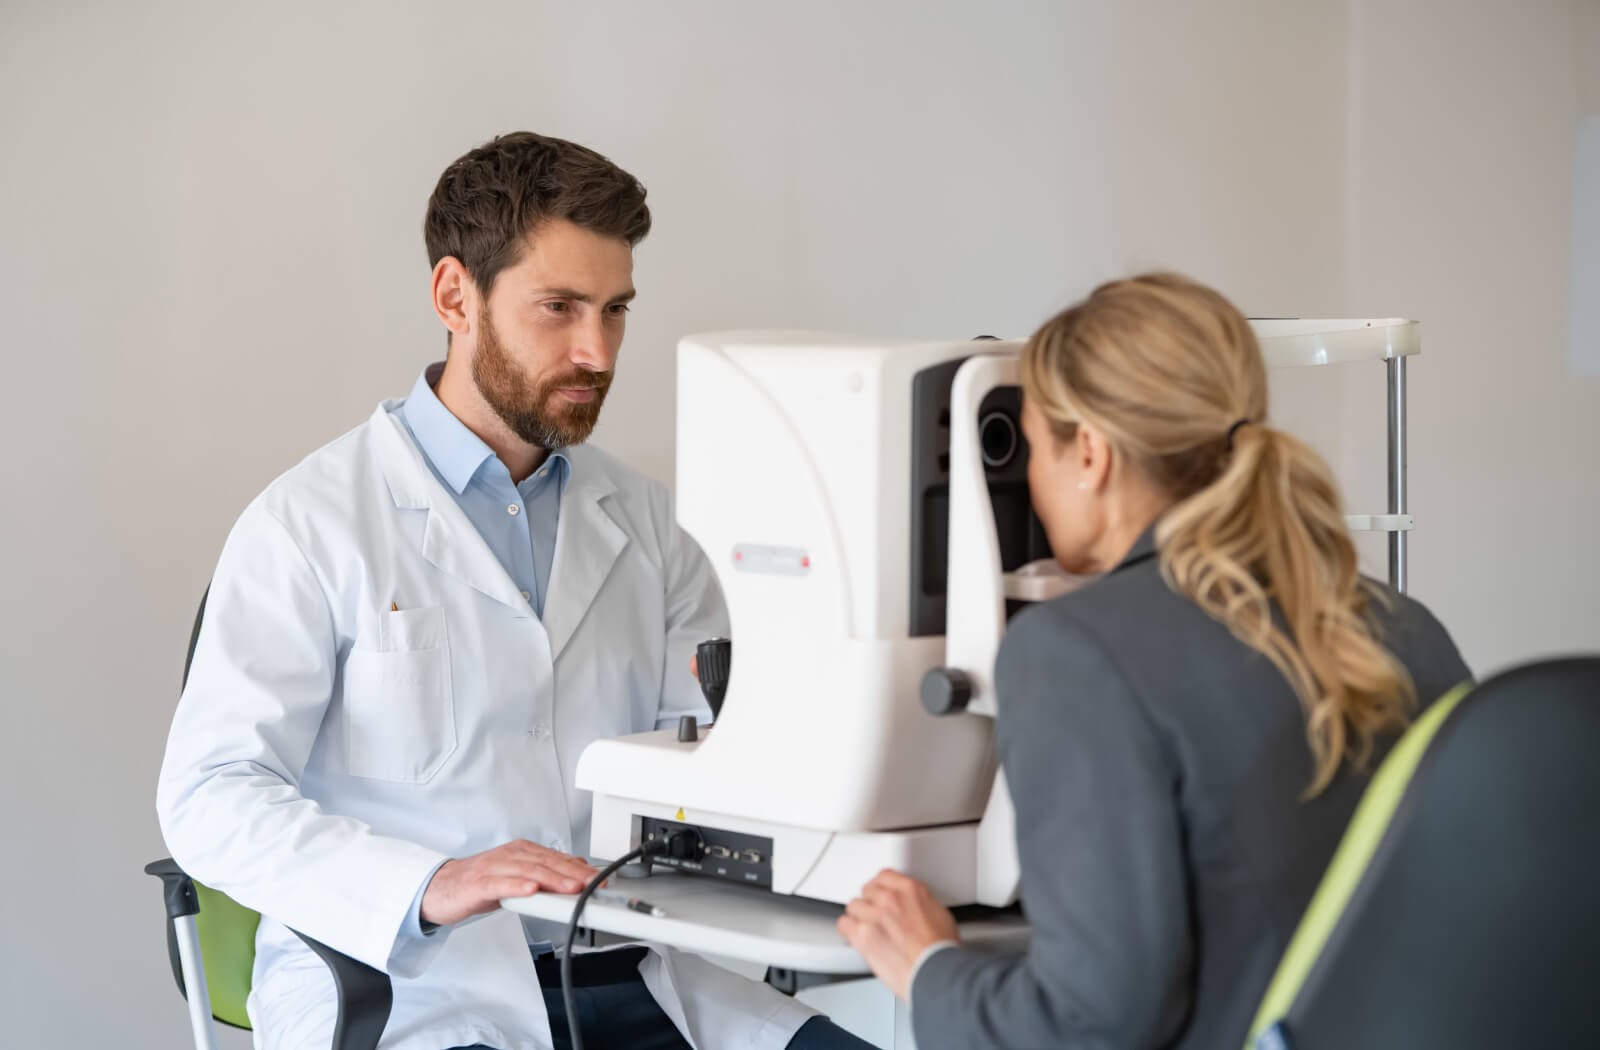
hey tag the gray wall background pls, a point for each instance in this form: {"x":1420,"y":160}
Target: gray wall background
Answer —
{"x":212,"y":264}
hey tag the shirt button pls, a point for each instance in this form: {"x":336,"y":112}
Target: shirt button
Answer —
{"x":527,"y":596}
{"x":540,"y":731}
{"x":513,"y":510}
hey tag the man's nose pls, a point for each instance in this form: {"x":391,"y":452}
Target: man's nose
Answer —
{"x":593,"y":348}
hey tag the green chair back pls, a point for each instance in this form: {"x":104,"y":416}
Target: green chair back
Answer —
{"x":228,"y":951}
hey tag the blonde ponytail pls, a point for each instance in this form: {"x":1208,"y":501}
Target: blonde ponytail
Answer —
{"x":1167,"y":369}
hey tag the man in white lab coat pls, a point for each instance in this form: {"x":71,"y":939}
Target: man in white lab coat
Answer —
{"x":412,"y":635}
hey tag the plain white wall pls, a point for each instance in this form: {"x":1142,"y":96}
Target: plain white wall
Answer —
{"x":213,"y":264}
{"x":1463,"y":118}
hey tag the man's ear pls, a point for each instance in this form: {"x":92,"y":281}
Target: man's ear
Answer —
{"x":454,"y":296}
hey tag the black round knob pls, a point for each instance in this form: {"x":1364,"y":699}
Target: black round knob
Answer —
{"x":946,"y":691}
{"x":713,"y":659}
{"x":688,"y":729}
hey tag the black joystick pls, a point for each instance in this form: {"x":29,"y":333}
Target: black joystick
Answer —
{"x":713,"y":659}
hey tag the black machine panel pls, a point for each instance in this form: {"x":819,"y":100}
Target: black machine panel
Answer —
{"x":1005,"y":455}
{"x":730,"y":855}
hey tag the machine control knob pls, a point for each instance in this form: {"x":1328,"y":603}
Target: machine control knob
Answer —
{"x":714,"y":658}
{"x":946,"y":691}
{"x":688,"y":729}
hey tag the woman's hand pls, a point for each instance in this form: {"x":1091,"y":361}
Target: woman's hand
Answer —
{"x":892,"y":923}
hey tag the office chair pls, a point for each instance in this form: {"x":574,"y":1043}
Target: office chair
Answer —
{"x":1461,"y":908}
{"x":211,"y":942}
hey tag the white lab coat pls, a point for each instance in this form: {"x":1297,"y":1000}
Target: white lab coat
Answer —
{"x":329,"y":752}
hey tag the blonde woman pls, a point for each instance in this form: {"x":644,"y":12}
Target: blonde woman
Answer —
{"x":1187,"y":737}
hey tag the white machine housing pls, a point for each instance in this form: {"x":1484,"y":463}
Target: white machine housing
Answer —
{"x":794,"y":456}
{"x":793,"y":450}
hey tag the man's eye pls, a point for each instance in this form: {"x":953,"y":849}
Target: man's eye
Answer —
{"x":619,"y":308}
{"x":556,"y":306}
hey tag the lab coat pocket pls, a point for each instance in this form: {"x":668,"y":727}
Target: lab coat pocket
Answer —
{"x":399,"y":709}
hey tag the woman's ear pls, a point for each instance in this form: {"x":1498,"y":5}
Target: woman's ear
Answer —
{"x":1094,"y":457}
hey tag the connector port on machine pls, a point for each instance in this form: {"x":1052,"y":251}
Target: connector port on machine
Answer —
{"x":728,"y":855}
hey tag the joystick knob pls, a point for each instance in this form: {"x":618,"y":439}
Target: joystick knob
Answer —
{"x":713,"y":658}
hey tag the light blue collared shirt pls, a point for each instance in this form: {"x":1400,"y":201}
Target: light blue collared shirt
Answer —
{"x":518,"y":522}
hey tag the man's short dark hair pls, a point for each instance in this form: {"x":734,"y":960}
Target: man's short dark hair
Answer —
{"x":487,"y":202}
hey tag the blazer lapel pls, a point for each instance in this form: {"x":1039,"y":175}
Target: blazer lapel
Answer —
{"x":588,"y":542}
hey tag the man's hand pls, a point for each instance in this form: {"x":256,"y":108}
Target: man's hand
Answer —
{"x":892,"y":923}
{"x":473,"y":885}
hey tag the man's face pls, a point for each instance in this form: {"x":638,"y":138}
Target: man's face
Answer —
{"x":549,"y":333}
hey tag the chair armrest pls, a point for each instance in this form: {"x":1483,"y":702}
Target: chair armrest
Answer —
{"x":177,"y":891}
{"x":177,"y":887}
{"x":365,"y":996}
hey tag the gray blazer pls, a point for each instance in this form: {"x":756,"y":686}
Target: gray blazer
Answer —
{"x":1157,"y":765}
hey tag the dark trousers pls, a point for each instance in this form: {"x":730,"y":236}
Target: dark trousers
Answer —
{"x":615,"y":1009}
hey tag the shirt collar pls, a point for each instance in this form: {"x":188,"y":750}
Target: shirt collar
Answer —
{"x":455,"y":451}
{"x":559,"y":467}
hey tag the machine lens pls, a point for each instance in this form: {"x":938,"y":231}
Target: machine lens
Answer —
{"x":997,"y":438}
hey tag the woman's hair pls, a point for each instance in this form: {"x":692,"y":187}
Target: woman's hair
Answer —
{"x":1164,"y":368}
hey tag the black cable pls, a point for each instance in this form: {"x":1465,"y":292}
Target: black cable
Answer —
{"x":605,"y":873}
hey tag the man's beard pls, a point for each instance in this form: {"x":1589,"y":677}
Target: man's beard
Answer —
{"x":536,"y":412}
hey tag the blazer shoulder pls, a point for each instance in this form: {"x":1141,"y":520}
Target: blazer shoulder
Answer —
{"x":1055,"y":642}
{"x":1420,"y":641}
{"x":1128,"y":603}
